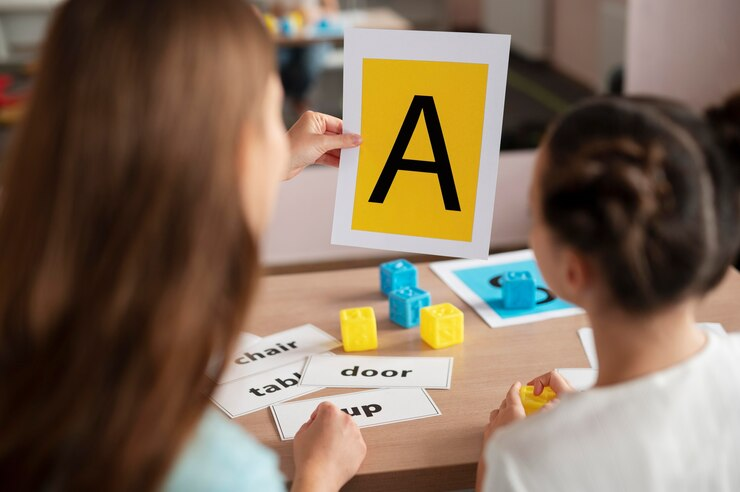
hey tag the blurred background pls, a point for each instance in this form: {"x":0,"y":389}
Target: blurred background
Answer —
{"x":562,"y":51}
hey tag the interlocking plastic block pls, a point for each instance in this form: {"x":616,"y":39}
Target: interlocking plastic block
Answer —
{"x":534,"y":403}
{"x":405,"y":304}
{"x":519,"y":290}
{"x":397,"y":274}
{"x":442,"y":325}
{"x":359,"y":330}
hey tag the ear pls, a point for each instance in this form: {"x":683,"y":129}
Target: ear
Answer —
{"x":577,"y":277}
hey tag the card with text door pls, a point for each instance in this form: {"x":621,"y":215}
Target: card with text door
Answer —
{"x":429,"y":106}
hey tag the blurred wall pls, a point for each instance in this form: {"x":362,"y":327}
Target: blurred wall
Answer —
{"x":684,"y":49}
{"x":528,"y":22}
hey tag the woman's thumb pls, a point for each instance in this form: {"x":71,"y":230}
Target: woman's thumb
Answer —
{"x":343,"y":141}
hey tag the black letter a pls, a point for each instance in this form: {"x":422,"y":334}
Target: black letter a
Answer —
{"x":396,"y":162}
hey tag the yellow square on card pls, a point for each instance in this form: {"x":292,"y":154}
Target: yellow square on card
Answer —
{"x":422,"y":126}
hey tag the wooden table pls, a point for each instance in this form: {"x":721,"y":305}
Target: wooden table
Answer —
{"x":438,"y":453}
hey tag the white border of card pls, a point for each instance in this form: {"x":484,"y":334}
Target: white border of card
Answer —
{"x":397,"y":405}
{"x":490,"y":49}
{"x":277,"y":350}
{"x":351,"y":371}
{"x":445,"y":270}
{"x":247,"y":395}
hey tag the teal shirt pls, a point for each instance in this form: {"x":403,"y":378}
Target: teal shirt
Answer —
{"x":221,"y":457}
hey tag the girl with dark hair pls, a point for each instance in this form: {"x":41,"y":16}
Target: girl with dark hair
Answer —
{"x":636,"y":216}
{"x":132,"y":205}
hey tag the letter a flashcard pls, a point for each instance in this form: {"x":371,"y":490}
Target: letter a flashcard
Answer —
{"x":429,"y":106}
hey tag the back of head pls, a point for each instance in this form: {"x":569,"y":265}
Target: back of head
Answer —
{"x":725,"y":121}
{"x":124,"y":253}
{"x":644,"y":188}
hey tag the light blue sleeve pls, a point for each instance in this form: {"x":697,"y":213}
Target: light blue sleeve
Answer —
{"x":221,"y":457}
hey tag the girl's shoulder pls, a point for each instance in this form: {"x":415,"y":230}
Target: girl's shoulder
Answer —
{"x":222,"y":456}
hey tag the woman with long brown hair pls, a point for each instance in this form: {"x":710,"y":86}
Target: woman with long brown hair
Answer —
{"x":131,"y":205}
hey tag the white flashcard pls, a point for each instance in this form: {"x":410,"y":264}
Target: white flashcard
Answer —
{"x":277,"y":350}
{"x":350,"y":371}
{"x":479,"y":283}
{"x":247,"y":395}
{"x":243,"y":341}
{"x":246,"y":339}
{"x":367,"y":408}
{"x":429,"y":107}
{"x":589,"y":345}
{"x":580,"y":378}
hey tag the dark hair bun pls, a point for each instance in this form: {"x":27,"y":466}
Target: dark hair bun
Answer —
{"x":725,"y":121}
{"x":642,"y":187}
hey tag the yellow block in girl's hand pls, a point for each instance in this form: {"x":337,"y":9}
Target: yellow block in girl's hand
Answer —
{"x":532,"y":403}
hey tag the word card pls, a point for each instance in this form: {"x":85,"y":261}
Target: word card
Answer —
{"x":247,"y":395}
{"x":243,"y":340}
{"x":367,"y":408}
{"x":348,"y":371}
{"x":478,"y":283}
{"x":429,"y":107}
{"x":277,"y":350}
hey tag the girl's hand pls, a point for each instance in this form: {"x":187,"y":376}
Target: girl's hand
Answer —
{"x":328,"y":450}
{"x":317,"y":138}
{"x":554,"y":380}
{"x":511,"y":410}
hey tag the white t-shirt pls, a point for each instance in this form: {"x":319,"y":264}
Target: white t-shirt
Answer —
{"x":674,"y":430}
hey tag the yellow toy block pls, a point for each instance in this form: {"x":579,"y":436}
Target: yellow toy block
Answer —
{"x":359,"y":330}
{"x":534,"y":403}
{"x":442,"y":325}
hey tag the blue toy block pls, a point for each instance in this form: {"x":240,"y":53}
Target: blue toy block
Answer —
{"x":286,"y":26}
{"x":405,"y":304}
{"x":397,"y":274}
{"x":519,"y":290}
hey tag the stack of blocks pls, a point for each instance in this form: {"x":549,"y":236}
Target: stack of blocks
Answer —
{"x":533,"y":403}
{"x":359,"y":330}
{"x":519,"y":290}
{"x":397,"y":274}
{"x":405,"y":304}
{"x":442,"y":325}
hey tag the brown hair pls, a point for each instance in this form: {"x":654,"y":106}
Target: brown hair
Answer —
{"x":644,"y":188}
{"x":125,"y":259}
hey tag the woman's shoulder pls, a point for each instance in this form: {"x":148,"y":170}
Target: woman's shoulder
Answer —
{"x":221,"y":456}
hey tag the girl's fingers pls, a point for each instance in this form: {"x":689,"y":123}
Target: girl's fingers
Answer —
{"x":512,"y":397}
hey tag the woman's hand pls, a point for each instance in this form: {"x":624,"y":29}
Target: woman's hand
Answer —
{"x":554,"y":380}
{"x":317,"y":138}
{"x":328,"y":450}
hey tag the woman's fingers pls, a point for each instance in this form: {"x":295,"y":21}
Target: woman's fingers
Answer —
{"x":331,"y":124}
{"x":328,"y":160}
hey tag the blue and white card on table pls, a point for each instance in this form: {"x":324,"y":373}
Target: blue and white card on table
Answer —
{"x":351,"y":371}
{"x":478,"y":283}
